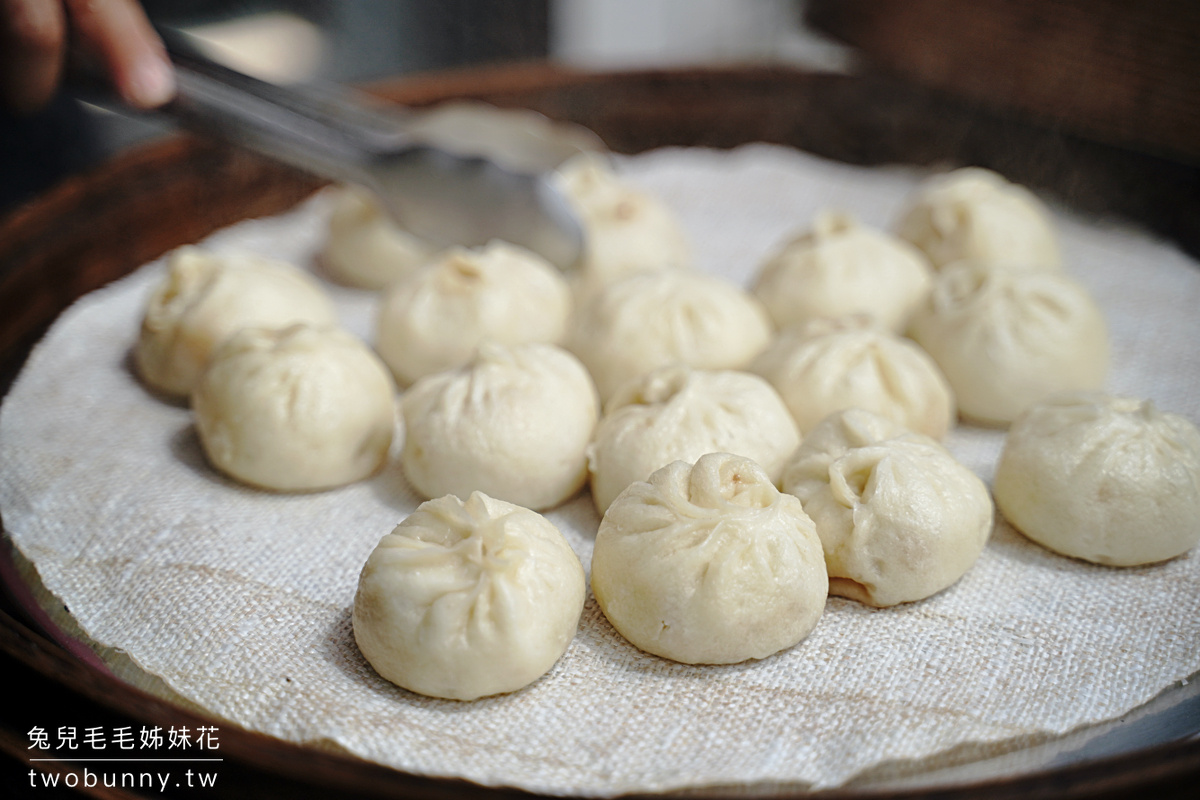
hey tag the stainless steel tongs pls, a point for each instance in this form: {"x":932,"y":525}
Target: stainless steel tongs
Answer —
{"x":464,"y":174}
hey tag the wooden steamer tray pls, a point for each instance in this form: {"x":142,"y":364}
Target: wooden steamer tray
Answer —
{"x":101,"y":226}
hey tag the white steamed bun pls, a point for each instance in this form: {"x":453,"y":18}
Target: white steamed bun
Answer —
{"x":1006,"y":338}
{"x":1111,"y":480}
{"x":679,"y":414}
{"x":653,"y":319}
{"x":899,"y":518}
{"x":709,"y":564}
{"x":974,"y":214}
{"x":436,"y":318}
{"x":365,"y":247}
{"x":625,"y":230}
{"x":205,"y":297}
{"x":841,"y":267}
{"x":829,"y":365}
{"x":514,"y":424}
{"x":468,"y":599}
{"x":295,"y":409}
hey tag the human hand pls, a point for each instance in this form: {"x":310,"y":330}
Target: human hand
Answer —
{"x":115,"y":33}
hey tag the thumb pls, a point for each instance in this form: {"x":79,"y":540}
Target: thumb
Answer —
{"x":119,"y":35}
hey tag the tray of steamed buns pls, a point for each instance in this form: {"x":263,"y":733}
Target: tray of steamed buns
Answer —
{"x":740,"y":453}
{"x":771,"y":415}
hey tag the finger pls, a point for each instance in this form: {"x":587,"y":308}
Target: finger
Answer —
{"x":118,"y":33}
{"x":32,"y":43}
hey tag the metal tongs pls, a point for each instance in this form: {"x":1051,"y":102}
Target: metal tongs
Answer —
{"x":464,"y":174}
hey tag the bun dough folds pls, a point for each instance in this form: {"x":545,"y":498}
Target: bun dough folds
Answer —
{"x":679,"y":414}
{"x":297,"y":409}
{"x":468,"y":599}
{"x":709,"y":564}
{"x":1006,"y":338}
{"x":898,"y":517}
{"x":204,"y":298}
{"x":436,"y":318}
{"x":365,"y":247}
{"x":653,"y":319}
{"x":830,"y":365}
{"x":514,"y":424}
{"x":976,"y":215}
{"x":1111,"y":480}
{"x":840,"y":268}
{"x":626,"y":230}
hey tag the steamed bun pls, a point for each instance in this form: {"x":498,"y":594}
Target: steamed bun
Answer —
{"x":1111,"y":480}
{"x":899,"y":518}
{"x":468,"y":599}
{"x":206,"y":297}
{"x":625,"y":230}
{"x":830,"y":365}
{"x":1006,"y":338}
{"x":841,"y":267}
{"x":366,"y":248}
{"x":514,"y":424}
{"x":709,"y":564}
{"x":679,"y":414}
{"x":296,"y":409}
{"x":653,"y":319}
{"x":974,"y":214}
{"x":436,"y":318}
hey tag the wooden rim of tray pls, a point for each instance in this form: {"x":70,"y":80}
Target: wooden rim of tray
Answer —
{"x":97,"y":227}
